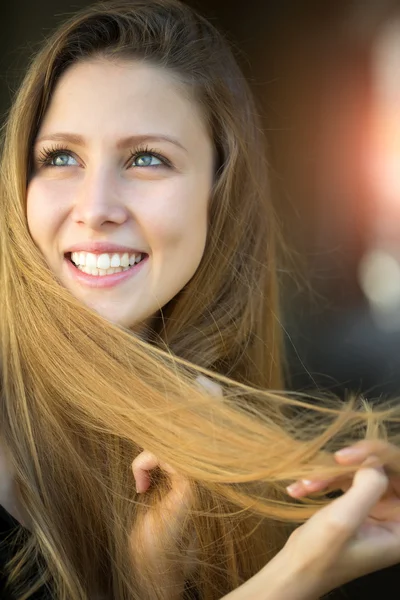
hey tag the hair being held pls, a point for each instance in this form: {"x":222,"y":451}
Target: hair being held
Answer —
{"x":82,"y":397}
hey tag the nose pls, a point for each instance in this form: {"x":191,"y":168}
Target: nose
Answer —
{"x":98,"y":202}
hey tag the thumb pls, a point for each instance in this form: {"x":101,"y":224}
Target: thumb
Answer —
{"x":333,"y":525}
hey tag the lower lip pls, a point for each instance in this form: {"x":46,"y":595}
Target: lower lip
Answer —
{"x":103,"y":281}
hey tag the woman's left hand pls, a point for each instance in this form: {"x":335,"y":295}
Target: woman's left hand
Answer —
{"x":382,"y":527}
{"x":374,"y":453}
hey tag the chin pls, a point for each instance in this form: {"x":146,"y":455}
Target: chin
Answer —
{"x":134,"y":322}
{"x":125,"y":323}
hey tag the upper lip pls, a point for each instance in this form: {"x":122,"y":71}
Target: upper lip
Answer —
{"x":102,"y":248}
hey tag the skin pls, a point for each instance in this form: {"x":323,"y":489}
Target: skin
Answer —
{"x":96,"y":193}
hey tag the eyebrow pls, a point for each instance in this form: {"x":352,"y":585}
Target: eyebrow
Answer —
{"x":122,"y":144}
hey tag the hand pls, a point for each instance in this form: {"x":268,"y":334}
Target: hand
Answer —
{"x":354,"y":535}
{"x":359,"y":532}
{"x":160,"y":532}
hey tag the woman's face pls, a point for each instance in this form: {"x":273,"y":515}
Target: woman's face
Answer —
{"x":119,"y":209}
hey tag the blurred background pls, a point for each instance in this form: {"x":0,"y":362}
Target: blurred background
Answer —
{"x":327,"y":79}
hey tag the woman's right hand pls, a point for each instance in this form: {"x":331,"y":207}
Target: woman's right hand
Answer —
{"x":354,"y":535}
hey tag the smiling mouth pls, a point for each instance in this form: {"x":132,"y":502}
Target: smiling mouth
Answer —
{"x":99,"y":265}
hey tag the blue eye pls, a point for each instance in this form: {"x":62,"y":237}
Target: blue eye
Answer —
{"x":53,"y":157}
{"x":146,"y":159}
{"x":60,"y":159}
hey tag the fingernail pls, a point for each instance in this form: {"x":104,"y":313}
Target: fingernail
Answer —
{"x":294,"y":488}
{"x":350,"y":451}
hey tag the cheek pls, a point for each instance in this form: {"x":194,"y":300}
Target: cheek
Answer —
{"x":43,"y":214}
{"x":35,"y":208}
{"x":179,"y":222}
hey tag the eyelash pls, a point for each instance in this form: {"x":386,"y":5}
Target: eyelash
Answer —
{"x":47,"y":154}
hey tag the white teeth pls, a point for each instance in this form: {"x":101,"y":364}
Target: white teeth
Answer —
{"x":91,"y":260}
{"x":104,"y":264}
{"x":115,"y":261}
{"x":103,"y":261}
{"x":102,"y":272}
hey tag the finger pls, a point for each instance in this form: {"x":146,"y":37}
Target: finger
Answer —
{"x":179,"y":497}
{"x":177,"y":500}
{"x":342,"y":517}
{"x":146,"y":462}
{"x":141,"y":467}
{"x":303,"y":487}
{"x":324,"y":538}
{"x":386,"y":453}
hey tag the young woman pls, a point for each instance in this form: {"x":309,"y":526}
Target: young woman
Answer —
{"x":139,"y":318}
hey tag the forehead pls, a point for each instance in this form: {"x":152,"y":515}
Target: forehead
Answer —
{"x":117,"y":98}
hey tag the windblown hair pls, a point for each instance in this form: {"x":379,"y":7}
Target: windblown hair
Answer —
{"x":82,"y":397}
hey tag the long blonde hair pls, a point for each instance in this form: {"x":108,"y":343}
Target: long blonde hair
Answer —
{"x":81,"y":397}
